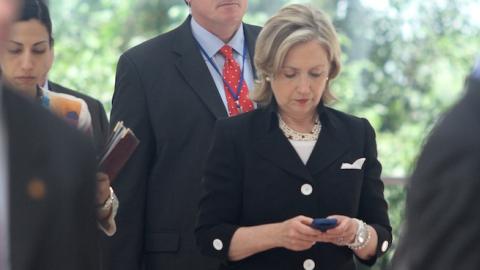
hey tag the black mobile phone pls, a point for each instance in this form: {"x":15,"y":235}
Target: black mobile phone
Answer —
{"x":324,"y":224}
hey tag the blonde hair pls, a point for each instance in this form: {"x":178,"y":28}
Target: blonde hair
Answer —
{"x":292,"y":25}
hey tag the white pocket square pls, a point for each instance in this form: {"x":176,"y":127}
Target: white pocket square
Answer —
{"x":357,"y":165}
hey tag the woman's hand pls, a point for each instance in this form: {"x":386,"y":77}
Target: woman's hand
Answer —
{"x":103,"y":188}
{"x":293,"y":234}
{"x":343,"y":234}
{"x":103,"y":194}
{"x":296,"y":234}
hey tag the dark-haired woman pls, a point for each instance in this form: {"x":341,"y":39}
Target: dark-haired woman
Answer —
{"x":24,"y":65}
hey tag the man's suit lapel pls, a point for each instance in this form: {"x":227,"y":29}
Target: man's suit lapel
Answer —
{"x":26,"y":210}
{"x":193,"y":68}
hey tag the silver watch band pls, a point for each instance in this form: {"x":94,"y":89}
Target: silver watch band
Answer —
{"x":362,"y":236}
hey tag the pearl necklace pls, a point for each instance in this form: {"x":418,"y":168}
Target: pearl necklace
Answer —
{"x":299,"y":136}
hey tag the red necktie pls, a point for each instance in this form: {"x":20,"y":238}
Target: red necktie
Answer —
{"x":231,"y":75}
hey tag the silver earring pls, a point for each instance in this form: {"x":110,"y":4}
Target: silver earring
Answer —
{"x":267,"y":78}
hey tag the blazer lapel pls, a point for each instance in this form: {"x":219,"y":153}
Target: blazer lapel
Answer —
{"x":275,"y":147}
{"x":193,"y":68}
{"x":332,"y":143}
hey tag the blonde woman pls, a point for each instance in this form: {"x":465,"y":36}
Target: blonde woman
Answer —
{"x":272,"y":171}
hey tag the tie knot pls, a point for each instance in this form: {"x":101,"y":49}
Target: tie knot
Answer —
{"x":227,"y":52}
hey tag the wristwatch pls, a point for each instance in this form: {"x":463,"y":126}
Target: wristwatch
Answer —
{"x":362,"y":236}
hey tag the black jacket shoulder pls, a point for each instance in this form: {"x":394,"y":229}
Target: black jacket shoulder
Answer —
{"x":55,"y":87}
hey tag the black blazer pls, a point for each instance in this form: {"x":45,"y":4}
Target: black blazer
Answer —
{"x":165,"y":93}
{"x":100,"y":125}
{"x":254,"y":176}
{"x":51,"y":190}
{"x":442,"y":217}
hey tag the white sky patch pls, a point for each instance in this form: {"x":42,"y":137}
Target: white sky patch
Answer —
{"x":377,"y":5}
{"x":473,"y":11}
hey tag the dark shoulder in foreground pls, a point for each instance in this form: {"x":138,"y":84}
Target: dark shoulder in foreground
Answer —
{"x":167,"y":42}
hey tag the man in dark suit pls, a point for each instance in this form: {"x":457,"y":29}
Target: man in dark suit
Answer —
{"x":100,"y":125}
{"x":442,"y":216}
{"x":170,"y":91}
{"x":51,"y":219}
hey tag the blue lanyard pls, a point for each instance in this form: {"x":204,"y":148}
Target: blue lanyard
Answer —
{"x":235,"y":94}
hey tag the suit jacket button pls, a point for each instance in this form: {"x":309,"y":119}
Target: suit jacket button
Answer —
{"x":309,"y":264}
{"x":306,"y":189}
{"x":218,"y":244}
{"x":384,"y":246}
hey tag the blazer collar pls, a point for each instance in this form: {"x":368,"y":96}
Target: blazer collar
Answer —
{"x":193,"y":68}
{"x":332,"y":143}
{"x":270,"y":117}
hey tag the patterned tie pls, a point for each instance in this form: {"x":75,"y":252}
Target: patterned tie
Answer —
{"x":231,"y":75}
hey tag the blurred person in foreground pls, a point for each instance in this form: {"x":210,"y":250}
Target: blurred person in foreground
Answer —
{"x":270,"y":172}
{"x":442,"y":228}
{"x":24,"y":66}
{"x":47,"y":184}
{"x":170,"y":90}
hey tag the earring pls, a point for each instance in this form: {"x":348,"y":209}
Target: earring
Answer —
{"x":267,"y":78}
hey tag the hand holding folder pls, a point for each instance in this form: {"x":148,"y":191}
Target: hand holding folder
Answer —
{"x":120,"y":146}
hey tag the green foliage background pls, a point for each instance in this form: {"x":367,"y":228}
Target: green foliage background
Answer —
{"x":404,"y":61}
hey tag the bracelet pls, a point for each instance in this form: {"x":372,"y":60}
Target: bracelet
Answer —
{"x":108,"y":203}
{"x":362,"y":236}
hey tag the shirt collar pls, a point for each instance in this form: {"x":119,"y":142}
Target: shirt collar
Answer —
{"x":212,"y":44}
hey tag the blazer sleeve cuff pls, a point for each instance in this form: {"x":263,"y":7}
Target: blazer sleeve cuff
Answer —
{"x":383,"y":245}
{"x":215,"y":241}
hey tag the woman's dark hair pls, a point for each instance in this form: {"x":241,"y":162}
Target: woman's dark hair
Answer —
{"x":38,"y":10}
